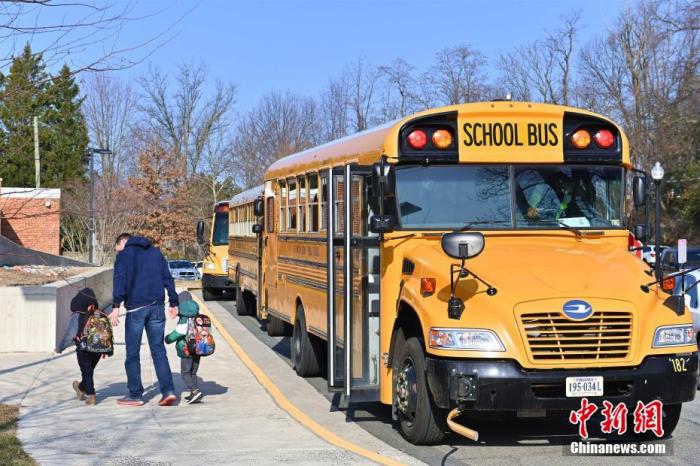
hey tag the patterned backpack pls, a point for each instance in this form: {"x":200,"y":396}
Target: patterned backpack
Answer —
{"x":97,"y":334}
{"x":199,"y":340}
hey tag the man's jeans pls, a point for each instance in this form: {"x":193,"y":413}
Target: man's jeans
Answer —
{"x":152,"y":318}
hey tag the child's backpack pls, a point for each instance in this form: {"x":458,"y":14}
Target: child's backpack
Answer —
{"x":199,"y":340}
{"x":97,"y":334}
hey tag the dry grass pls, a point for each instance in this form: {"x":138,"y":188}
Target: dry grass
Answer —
{"x":11,"y":451}
{"x":14,"y":277}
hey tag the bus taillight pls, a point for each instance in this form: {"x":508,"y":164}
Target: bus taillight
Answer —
{"x":417,"y":139}
{"x":442,"y":139}
{"x":604,"y":138}
{"x":581,"y":139}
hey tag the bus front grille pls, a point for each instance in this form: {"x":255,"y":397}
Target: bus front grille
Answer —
{"x":552,"y":337}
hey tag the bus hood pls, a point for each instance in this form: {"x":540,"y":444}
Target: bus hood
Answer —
{"x":524,"y":268}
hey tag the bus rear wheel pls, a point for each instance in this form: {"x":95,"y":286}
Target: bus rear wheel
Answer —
{"x":420,"y":421}
{"x":244,"y":305}
{"x":306,"y":353}
{"x":276,"y":327}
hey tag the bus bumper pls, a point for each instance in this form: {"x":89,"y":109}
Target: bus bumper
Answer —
{"x":502,"y":385}
{"x":217,"y":282}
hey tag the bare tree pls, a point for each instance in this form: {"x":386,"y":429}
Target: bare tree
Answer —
{"x":93,"y":31}
{"x":399,"y":93}
{"x":334,"y":109}
{"x":185,"y":120}
{"x":361,"y":79}
{"x":280,"y":124}
{"x":543,"y":70}
{"x":458,"y":76}
{"x":109,"y":107}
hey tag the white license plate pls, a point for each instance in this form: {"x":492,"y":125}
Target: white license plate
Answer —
{"x":584,"y":386}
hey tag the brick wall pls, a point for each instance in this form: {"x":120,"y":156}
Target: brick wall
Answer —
{"x":31,"y":217}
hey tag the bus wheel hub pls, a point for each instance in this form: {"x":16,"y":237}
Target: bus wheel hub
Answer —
{"x":406,"y":388}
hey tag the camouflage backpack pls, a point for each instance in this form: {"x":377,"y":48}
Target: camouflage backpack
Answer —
{"x":97,"y":333}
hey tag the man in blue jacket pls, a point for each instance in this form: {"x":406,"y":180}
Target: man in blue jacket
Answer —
{"x":141,"y":275}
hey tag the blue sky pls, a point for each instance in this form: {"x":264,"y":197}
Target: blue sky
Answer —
{"x":298,"y":45}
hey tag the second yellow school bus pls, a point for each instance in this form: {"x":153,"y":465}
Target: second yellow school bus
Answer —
{"x":471,"y":258}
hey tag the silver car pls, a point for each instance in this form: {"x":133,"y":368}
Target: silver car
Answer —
{"x":182,"y":270}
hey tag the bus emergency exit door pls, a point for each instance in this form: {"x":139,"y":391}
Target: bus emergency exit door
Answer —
{"x":352,"y":284}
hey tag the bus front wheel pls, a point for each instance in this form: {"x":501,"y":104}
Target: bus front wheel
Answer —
{"x":210,"y":294}
{"x":420,"y":420}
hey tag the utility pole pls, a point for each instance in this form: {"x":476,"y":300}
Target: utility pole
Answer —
{"x":37,"y":161}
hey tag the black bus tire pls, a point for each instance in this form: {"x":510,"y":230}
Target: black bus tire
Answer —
{"x":420,"y":420}
{"x":242,"y":308}
{"x":275,"y":326}
{"x":305,"y":355}
{"x":210,"y":294}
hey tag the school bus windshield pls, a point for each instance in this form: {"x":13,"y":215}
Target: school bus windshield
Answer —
{"x":220,"y":235}
{"x":509,"y":196}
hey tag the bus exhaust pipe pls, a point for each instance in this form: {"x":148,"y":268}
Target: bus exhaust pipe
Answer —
{"x":460,"y":429}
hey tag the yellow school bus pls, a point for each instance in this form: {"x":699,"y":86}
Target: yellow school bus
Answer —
{"x":215,"y":280}
{"x":472,"y":259}
{"x":244,"y":258}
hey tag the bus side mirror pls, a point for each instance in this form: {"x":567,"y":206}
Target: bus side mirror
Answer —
{"x":639,"y":191}
{"x":640,"y":232}
{"x":383,"y":193}
{"x":259,"y":207}
{"x":200,"y":232}
{"x":257,"y":229}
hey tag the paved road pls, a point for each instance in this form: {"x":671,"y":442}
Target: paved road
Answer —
{"x":513,"y":442}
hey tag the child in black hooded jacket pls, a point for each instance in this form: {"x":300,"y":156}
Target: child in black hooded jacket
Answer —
{"x":82,"y":306}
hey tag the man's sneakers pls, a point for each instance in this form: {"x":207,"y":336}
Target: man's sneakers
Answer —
{"x":194,"y":397}
{"x":167,"y":400}
{"x":78,"y":391}
{"x":128,"y":401}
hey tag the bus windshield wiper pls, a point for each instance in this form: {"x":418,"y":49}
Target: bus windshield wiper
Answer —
{"x":576,"y":231}
{"x":469,"y":225}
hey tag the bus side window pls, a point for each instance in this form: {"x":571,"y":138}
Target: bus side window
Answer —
{"x":339,"y":206}
{"x":283,"y":205}
{"x":301,"y":182}
{"x":313,"y":202}
{"x":270,"y":215}
{"x":292,"y":205}
{"x":324,"y":200}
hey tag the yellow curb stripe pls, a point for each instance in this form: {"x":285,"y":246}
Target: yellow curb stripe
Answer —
{"x":287,"y":405}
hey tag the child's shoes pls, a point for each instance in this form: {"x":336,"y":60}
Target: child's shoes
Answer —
{"x":91,"y":400}
{"x":78,"y":391}
{"x":194,"y":397}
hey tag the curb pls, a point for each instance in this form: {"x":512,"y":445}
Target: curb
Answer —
{"x":284,"y":403}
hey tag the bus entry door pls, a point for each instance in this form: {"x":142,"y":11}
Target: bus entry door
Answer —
{"x":352,"y":285}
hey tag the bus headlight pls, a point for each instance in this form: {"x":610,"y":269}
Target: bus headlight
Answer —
{"x":674,"y":335}
{"x":209,"y":266}
{"x":465,"y":339}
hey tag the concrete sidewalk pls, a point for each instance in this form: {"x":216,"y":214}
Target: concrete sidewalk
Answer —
{"x":237,"y":422}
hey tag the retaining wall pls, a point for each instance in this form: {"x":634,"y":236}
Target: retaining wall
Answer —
{"x":33,"y":318}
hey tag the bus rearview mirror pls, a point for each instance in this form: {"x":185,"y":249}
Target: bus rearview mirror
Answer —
{"x":381,"y":224}
{"x":200,"y":232}
{"x":639,"y":191}
{"x":461,"y":245}
{"x":257,"y":229}
{"x":640,"y":232}
{"x":259,"y":207}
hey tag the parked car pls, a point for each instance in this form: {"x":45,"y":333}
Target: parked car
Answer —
{"x":198,"y":266}
{"x":182,"y":270}
{"x":649,"y":253}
